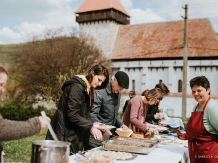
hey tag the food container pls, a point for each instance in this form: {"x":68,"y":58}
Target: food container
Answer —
{"x":140,"y":135}
{"x":134,"y":146}
{"x":139,"y":140}
{"x":50,"y":151}
{"x":181,"y":134}
{"x":122,"y":132}
{"x":81,"y":159}
{"x":152,"y":134}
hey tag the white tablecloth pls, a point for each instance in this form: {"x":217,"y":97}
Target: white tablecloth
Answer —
{"x":161,"y":154}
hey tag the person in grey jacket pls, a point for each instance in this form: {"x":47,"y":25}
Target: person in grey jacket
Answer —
{"x":106,"y":104}
{"x":12,"y":130}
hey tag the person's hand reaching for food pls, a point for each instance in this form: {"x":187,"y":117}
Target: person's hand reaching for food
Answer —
{"x":159,"y":115}
{"x":106,"y":132}
{"x":96,"y":133}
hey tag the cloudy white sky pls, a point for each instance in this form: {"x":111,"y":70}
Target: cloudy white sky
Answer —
{"x":20,"y":20}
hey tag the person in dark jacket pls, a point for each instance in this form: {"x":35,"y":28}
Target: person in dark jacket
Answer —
{"x":106,"y":104}
{"x":131,"y":95}
{"x":13,"y":130}
{"x":71,"y":121}
{"x":152,"y":114}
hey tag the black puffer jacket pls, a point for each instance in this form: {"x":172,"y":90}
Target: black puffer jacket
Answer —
{"x":71,"y":121}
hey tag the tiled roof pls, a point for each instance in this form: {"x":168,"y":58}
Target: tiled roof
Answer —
{"x":165,"y":40}
{"x":95,"y":5}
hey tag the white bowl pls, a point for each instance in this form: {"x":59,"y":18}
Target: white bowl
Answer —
{"x":125,"y":133}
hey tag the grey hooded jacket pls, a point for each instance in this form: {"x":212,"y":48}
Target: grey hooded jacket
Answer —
{"x":106,"y":106}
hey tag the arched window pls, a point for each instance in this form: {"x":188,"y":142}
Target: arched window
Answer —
{"x":180,"y":86}
{"x":133,"y":85}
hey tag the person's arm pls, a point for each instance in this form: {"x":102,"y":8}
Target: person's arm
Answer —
{"x":75,"y":101}
{"x":96,"y":106}
{"x":119,"y":122}
{"x":212,"y":118}
{"x":12,"y":130}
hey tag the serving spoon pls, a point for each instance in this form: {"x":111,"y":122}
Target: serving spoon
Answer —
{"x":50,"y":128}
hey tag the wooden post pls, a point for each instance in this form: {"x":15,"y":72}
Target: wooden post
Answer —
{"x":185,"y":56}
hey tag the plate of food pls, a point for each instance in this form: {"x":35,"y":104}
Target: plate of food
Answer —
{"x":102,"y":126}
{"x":174,"y":142}
{"x":165,"y":122}
{"x":108,"y":155}
{"x":160,"y":128}
{"x":163,"y":137}
{"x":167,"y":142}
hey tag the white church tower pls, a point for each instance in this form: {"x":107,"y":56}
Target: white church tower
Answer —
{"x":101,"y":20}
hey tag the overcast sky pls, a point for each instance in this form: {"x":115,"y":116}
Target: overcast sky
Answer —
{"x":20,"y":20}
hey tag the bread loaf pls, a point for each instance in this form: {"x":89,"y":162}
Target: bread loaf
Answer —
{"x":137,"y":135}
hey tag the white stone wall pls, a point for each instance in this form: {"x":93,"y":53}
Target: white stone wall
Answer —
{"x":146,"y":77}
{"x":156,"y":74}
{"x":170,"y":103}
{"x":177,"y":75}
{"x":104,"y":32}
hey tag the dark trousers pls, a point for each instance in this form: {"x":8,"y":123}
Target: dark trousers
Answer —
{"x":93,"y":143}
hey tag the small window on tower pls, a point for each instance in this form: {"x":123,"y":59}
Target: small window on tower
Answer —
{"x":180,"y":86}
{"x":133,"y":85}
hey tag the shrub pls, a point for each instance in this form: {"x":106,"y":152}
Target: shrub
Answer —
{"x":22,"y":112}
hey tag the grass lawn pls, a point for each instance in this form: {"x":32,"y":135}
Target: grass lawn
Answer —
{"x":20,"y":150}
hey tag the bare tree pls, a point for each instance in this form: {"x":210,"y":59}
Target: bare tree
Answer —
{"x":42,"y":65}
